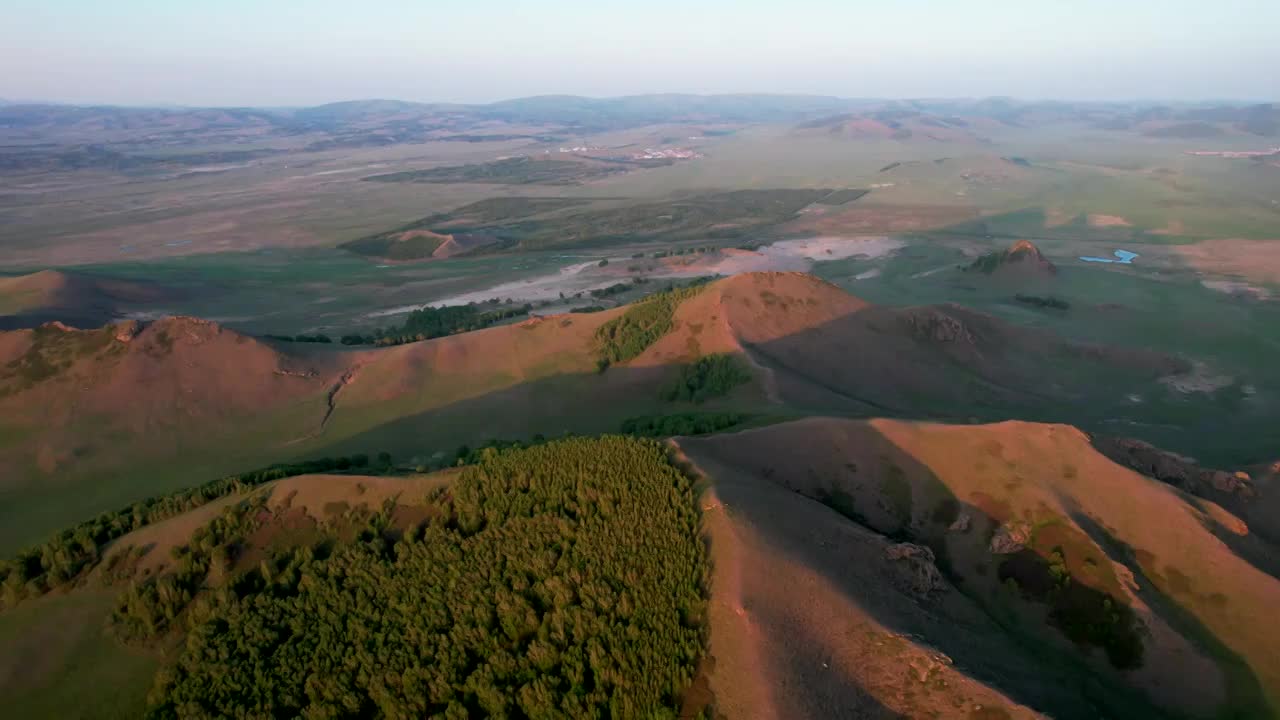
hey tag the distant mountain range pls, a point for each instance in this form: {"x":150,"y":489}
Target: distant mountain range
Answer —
{"x":38,"y":137}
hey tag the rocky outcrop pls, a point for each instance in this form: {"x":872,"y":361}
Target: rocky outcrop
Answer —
{"x":937,"y":326}
{"x":1022,"y":259}
{"x":921,"y":573}
{"x":1177,"y":470}
{"x":1011,"y":537}
{"x":127,"y":330}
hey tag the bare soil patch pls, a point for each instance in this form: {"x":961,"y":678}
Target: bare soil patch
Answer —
{"x":1254,"y":260}
{"x":1102,"y":221}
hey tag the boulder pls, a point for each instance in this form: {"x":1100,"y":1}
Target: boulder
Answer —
{"x":922,"y":572}
{"x":1011,"y":537}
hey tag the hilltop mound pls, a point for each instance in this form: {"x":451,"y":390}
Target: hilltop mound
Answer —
{"x":1133,"y":604}
{"x":824,"y":350}
{"x":1023,"y":260}
{"x":82,"y":300}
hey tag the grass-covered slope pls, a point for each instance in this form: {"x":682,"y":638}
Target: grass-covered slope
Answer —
{"x":1129,"y":590}
{"x":92,"y":420}
{"x":145,"y":409}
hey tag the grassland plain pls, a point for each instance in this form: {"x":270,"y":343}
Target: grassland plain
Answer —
{"x":59,"y":661}
{"x":319,"y":200}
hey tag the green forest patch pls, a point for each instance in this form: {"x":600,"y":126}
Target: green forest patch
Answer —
{"x":565,"y":579}
{"x":631,"y":333}
{"x":710,"y":376}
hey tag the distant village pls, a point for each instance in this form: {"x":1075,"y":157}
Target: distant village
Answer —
{"x":675,"y":153}
{"x":668,"y":153}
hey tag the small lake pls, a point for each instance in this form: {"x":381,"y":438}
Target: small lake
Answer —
{"x":1122,"y":257}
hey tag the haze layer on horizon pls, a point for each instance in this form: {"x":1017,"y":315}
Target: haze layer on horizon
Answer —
{"x":244,"y":52}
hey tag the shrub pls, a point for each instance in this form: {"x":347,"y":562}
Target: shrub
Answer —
{"x":709,"y":377}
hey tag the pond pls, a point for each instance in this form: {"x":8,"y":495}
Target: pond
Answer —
{"x":1122,"y":257}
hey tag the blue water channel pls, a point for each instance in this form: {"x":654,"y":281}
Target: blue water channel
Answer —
{"x":1122,"y":257}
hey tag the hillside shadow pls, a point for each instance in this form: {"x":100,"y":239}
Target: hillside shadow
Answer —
{"x":940,"y":363}
{"x":1033,"y":665}
{"x":951,"y":364}
{"x":1244,"y":690}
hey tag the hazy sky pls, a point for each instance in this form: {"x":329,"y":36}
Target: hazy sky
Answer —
{"x":290,"y":52}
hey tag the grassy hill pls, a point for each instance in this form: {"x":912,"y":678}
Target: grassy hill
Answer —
{"x":870,"y":567}
{"x":563,"y":579}
{"x":97,"y":419}
{"x":1044,"y":559}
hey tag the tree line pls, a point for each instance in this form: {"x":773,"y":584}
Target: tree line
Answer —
{"x":63,"y":558}
{"x":710,"y":376}
{"x":661,"y":426}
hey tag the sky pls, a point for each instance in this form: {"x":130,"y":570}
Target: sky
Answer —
{"x":303,"y":52}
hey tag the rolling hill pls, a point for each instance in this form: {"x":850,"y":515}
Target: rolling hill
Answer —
{"x":1009,"y":553}
{"x":895,"y":124}
{"x":72,"y":298}
{"x":882,"y":567}
{"x":96,"y":419}
{"x":140,"y":409}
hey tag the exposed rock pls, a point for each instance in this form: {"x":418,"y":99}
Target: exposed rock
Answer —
{"x":961,"y":524}
{"x":923,"y":574}
{"x":927,"y":667}
{"x":127,"y":331}
{"x":297,"y":373}
{"x":1177,"y":470}
{"x":933,"y":324}
{"x":57,"y":325}
{"x":1011,"y":537}
{"x":1237,"y":483}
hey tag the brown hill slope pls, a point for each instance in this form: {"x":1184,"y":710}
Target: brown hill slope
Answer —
{"x":170,"y":403}
{"x":188,"y":400}
{"x":1117,"y":580}
{"x":29,"y":300}
{"x":822,"y":349}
